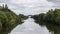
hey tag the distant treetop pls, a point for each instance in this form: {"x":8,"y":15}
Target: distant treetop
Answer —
{"x":4,"y":6}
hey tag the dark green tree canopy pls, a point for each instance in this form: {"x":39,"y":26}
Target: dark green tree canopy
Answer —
{"x":9,"y":20}
{"x":51,"y":20}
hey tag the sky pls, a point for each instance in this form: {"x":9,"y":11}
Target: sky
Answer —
{"x":31,"y":7}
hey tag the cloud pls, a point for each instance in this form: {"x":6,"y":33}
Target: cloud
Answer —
{"x":28,"y":7}
{"x":2,"y":1}
{"x":32,"y":2}
{"x":57,"y":2}
{"x":32,"y":7}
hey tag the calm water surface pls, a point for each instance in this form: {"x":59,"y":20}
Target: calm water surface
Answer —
{"x":30,"y":27}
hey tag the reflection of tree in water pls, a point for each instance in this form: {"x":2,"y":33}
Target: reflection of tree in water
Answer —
{"x":51,"y":19}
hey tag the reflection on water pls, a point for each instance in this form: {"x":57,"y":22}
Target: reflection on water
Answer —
{"x":30,"y":27}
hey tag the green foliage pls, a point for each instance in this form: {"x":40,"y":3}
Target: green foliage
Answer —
{"x":23,"y":17}
{"x":51,"y":19}
{"x":9,"y":20}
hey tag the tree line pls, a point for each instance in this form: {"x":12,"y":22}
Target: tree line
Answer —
{"x":9,"y":20}
{"x":51,"y":20}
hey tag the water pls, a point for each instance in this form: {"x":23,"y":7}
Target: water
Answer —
{"x":30,"y":27}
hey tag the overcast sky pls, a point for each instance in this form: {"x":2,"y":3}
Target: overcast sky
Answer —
{"x":32,"y":7}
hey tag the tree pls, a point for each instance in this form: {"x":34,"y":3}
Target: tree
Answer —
{"x":9,"y":20}
{"x":6,"y":7}
{"x":51,"y":20}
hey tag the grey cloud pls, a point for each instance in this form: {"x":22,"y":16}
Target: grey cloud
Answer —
{"x":31,"y":8}
{"x":55,"y":1}
{"x":4,"y":1}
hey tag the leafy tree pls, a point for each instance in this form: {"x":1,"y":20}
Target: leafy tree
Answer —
{"x":6,"y":7}
{"x":51,"y":20}
{"x":9,"y":20}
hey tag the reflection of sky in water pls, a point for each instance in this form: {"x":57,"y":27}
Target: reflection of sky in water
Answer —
{"x":29,"y":27}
